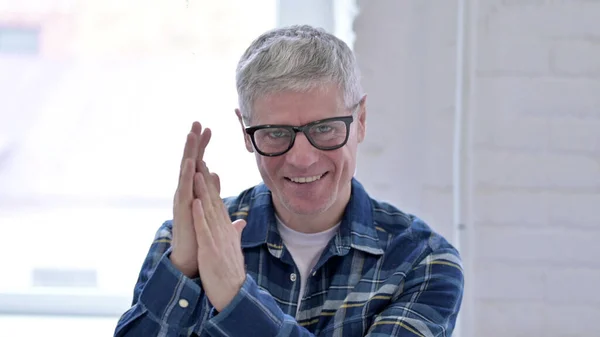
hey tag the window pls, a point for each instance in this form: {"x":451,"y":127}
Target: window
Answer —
{"x":91,"y":139}
{"x":19,"y":40}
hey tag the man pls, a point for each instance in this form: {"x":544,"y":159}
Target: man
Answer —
{"x":309,"y":252}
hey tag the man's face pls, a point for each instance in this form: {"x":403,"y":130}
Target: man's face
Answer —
{"x":333,"y":170}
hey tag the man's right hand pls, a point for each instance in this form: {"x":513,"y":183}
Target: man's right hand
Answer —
{"x":185,"y":247}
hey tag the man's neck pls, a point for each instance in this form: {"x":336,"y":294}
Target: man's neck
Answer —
{"x":314,"y":223}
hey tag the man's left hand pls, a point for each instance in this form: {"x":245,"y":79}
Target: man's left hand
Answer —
{"x":220,"y":258}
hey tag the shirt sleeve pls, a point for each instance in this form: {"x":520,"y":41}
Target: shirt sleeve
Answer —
{"x":253,"y":312}
{"x":427,"y":304}
{"x":165,"y":301}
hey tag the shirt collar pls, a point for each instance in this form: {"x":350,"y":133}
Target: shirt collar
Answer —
{"x":357,"y":229}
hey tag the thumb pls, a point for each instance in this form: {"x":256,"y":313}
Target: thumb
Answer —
{"x":216,"y":181}
{"x":239,"y":225}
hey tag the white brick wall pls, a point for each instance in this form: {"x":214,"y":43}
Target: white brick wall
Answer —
{"x":406,"y":50}
{"x":565,"y":50}
{"x":535,"y":220}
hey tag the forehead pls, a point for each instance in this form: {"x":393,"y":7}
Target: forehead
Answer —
{"x":297,"y":108}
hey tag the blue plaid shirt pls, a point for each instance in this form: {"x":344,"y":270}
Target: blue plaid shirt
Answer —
{"x":385,"y":273}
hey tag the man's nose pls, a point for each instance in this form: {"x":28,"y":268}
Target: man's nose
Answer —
{"x":302,"y":154}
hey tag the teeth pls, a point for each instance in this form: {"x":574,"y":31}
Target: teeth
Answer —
{"x":304,"y":180}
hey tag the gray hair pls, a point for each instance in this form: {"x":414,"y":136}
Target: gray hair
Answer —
{"x":297,"y":58}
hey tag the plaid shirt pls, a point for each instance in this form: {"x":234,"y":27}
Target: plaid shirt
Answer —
{"x":385,"y":273}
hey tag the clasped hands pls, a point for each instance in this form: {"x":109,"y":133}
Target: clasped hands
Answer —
{"x":205,"y":242}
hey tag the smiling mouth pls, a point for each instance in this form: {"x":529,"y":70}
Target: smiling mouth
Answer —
{"x":305,"y":180}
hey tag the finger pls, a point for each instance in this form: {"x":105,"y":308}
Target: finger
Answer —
{"x":210,"y":184}
{"x":203,"y":231}
{"x":191,"y":145}
{"x":204,"y":187}
{"x":211,"y":194}
{"x":196,"y":128}
{"x":239,"y":226}
{"x":216,"y":181}
{"x":184,"y":187}
{"x":190,"y":149}
{"x":203,"y":141}
{"x":212,"y":211}
{"x":199,"y":187}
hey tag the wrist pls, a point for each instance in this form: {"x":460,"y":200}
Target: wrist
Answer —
{"x":190,"y":270}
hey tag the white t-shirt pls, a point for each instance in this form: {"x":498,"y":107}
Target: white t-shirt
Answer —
{"x":305,"y":249}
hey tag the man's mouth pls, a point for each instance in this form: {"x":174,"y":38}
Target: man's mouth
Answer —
{"x":306,"y":180}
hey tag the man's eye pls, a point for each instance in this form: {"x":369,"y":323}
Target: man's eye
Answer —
{"x":278,"y":134}
{"x":323,"y":128}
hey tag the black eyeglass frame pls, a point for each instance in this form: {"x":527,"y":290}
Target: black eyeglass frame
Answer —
{"x":250,"y":130}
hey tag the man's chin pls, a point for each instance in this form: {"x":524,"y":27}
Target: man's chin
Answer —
{"x":307,"y":207}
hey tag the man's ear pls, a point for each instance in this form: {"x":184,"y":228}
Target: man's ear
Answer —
{"x":362,"y":119}
{"x":247,"y":139}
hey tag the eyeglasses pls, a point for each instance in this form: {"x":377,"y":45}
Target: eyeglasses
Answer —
{"x":327,"y":134}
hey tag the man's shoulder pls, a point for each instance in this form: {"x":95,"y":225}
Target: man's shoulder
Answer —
{"x":392,"y":223}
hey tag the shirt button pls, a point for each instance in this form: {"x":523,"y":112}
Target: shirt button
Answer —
{"x":183,"y":303}
{"x":293,"y":277}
